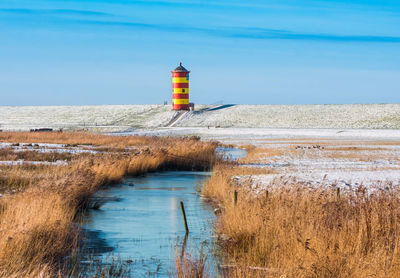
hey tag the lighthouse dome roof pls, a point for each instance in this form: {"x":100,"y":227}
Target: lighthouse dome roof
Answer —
{"x":181,"y":68}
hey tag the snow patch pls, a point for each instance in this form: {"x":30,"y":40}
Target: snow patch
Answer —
{"x":24,"y":162}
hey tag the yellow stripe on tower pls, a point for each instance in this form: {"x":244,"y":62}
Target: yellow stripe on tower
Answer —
{"x":179,"y":91}
{"x":180,"y":101}
{"x":180,"y":80}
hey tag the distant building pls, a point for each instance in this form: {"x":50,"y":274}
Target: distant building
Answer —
{"x":180,"y":88}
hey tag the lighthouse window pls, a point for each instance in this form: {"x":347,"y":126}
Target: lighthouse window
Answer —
{"x":183,"y":90}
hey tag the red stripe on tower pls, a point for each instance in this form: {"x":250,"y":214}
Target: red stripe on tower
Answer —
{"x":180,"y":107}
{"x":180,"y":96}
{"x":180,"y":85}
{"x":178,"y":74}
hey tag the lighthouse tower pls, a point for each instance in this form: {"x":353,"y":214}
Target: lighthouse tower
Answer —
{"x":180,"y":88}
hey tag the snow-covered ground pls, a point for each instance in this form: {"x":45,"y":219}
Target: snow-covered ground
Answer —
{"x":345,"y":180}
{"x":261,"y":136}
{"x":346,"y":164}
{"x":131,"y":117}
{"x":299,"y":116}
{"x":97,"y":118}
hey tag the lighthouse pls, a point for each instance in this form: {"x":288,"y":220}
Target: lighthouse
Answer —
{"x":180,"y":88}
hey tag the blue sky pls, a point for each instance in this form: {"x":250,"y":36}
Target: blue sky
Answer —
{"x":257,"y":52}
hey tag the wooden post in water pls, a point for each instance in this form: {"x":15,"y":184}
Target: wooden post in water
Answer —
{"x":184,"y":217}
{"x":235,"y":196}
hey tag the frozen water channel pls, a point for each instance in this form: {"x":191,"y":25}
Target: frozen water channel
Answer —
{"x":233,"y":154}
{"x":141,"y":221}
{"x":144,"y":227}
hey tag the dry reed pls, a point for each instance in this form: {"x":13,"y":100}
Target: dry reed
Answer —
{"x":293,"y":230}
{"x":189,"y":266}
{"x":37,"y":227}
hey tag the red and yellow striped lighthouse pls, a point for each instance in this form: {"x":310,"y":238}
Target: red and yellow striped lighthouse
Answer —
{"x":180,"y":88}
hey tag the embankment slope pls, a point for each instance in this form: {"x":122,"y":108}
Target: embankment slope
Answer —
{"x":128,"y":117}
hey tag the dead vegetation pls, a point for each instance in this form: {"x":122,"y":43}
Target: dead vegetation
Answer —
{"x":190,"y":266}
{"x":9,"y":154}
{"x":82,"y":138}
{"x":352,"y":150}
{"x":255,"y":154}
{"x":37,"y":212}
{"x":294,"y":230}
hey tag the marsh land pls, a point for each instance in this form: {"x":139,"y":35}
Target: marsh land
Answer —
{"x":294,"y":206}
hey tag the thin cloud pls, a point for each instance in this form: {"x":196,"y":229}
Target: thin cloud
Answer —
{"x":54,"y":12}
{"x":247,"y":33}
{"x":261,"y":33}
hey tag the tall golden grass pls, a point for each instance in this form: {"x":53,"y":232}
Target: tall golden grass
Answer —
{"x":189,"y":266}
{"x":293,"y":230}
{"x":37,"y":227}
{"x":31,"y":155}
{"x":85,"y":138}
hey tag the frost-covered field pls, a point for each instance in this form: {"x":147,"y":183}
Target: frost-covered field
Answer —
{"x":97,"y":118}
{"x":341,"y":163}
{"x":128,"y":117}
{"x":258,"y":136}
{"x":300,"y":116}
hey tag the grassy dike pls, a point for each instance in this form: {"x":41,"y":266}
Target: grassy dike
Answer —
{"x":41,"y":201}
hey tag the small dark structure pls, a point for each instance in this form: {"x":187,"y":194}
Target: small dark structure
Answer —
{"x":41,"y":130}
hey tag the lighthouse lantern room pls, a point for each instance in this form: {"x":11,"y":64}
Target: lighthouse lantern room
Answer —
{"x":180,"y":88}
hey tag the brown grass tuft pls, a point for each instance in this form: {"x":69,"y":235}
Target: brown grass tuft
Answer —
{"x":190,"y":266}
